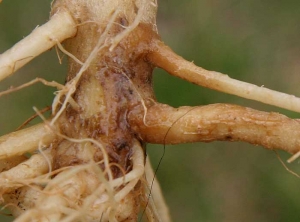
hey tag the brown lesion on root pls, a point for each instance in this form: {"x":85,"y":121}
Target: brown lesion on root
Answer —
{"x":223,"y":122}
{"x":109,"y":89}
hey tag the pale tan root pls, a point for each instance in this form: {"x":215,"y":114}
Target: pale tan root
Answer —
{"x":96,"y":143}
{"x":226,"y":122}
{"x":12,"y":190}
{"x":6,"y":164}
{"x":60,"y":27}
{"x":166,"y":59}
{"x":124,"y":203}
{"x":83,"y":193}
{"x":156,"y":198}
{"x":294,"y":157}
{"x":61,"y":196}
{"x":138,"y":167}
{"x":26,"y":140}
{"x":35,"y":166}
{"x":54,"y":207}
{"x":22,"y":199}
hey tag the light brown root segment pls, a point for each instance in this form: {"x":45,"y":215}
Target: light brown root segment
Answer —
{"x":163,"y":57}
{"x":225,"y":122}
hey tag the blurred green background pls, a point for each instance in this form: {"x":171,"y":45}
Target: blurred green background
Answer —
{"x":251,"y":40}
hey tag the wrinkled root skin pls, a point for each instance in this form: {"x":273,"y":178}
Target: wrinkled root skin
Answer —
{"x":224,"y":122}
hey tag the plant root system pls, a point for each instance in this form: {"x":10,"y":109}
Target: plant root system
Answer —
{"x":88,"y":162}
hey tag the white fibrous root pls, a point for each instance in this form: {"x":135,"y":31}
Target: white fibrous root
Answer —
{"x":60,"y":27}
{"x":165,"y":58}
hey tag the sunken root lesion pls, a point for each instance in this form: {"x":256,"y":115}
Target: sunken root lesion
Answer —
{"x":88,"y":162}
